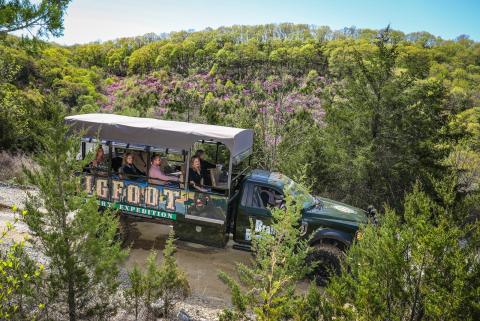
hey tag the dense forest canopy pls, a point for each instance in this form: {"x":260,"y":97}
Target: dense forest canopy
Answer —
{"x":361,"y":113}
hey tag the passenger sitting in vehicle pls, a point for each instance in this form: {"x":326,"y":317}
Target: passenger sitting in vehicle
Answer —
{"x":195,"y":175}
{"x":129,"y":170}
{"x":99,"y":157}
{"x":271,"y":198}
{"x":204,"y":167}
{"x":99,"y":163}
{"x":117,"y":164}
{"x":157,"y":176}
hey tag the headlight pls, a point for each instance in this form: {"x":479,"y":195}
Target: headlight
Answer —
{"x":303,"y":228}
{"x":358,"y":235}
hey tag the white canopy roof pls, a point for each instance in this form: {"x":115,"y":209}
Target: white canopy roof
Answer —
{"x":160,"y":133}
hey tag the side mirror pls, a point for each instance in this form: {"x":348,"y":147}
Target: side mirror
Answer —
{"x":372,"y":213}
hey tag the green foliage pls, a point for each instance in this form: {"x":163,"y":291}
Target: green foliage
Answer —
{"x":166,"y":282}
{"x":77,"y":239}
{"x":356,"y":114}
{"x":43,"y":17}
{"x":267,"y":286}
{"x":151,"y":280}
{"x":19,"y":130}
{"x":422,"y":267}
{"x":385,"y":127}
{"x":135,"y":292}
{"x":143,"y":60}
{"x":312,"y":306}
{"x":21,"y":281}
{"x":367,"y":112}
{"x":173,"y":283}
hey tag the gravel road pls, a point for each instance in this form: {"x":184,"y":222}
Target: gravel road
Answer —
{"x":13,"y":195}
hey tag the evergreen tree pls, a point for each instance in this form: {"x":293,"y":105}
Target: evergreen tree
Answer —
{"x":77,"y":239}
{"x":421,"y":267}
{"x":384,"y":126}
{"x":267,"y":286}
{"x":173,"y":283}
{"x":311,"y":306}
{"x":165,"y":282}
{"x":151,"y":283}
{"x":135,"y":292}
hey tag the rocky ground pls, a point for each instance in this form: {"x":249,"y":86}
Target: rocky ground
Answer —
{"x":201,"y":263}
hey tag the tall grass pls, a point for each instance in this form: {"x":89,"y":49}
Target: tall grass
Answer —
{"x":11,"y":167}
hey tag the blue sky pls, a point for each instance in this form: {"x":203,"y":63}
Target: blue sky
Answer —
{"x":91,"y":20}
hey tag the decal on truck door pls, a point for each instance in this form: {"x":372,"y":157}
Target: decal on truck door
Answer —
{"x":259,"y":227}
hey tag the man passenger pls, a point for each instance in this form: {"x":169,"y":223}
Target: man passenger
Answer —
{"x":157,"y":175}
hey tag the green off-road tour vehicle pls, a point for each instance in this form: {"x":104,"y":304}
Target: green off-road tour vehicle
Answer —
{"x":143,"y":168}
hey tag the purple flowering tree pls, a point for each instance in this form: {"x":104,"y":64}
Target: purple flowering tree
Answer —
{"x":268,"y":105}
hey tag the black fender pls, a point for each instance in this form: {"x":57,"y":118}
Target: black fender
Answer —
{"x":339,"y":238}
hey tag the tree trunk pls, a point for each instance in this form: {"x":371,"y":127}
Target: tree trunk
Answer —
{"x":72,"y":313}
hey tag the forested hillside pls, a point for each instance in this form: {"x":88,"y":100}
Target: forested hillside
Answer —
{"x":362,"y":114}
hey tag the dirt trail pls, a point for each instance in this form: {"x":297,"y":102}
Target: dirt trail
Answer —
{"x":201,"y":263}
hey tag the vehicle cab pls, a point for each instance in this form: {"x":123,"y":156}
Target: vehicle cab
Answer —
{"x":323,"y":220}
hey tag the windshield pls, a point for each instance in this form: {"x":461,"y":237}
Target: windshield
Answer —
{"x":298,"y":192}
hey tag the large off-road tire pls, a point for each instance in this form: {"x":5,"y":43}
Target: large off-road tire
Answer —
{"x":328,"y":260}
{"x":123,"y":230}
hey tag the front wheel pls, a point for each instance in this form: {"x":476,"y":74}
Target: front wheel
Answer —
{"x":328,"y":259}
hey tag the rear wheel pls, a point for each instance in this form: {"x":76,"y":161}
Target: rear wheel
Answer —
{"x":123,"y":230}
{"x":328,"y":259}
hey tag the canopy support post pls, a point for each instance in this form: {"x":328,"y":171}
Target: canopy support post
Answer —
{"x":84,"y":148}
{"x":187,"y":170}
{"x":230,"y":165}
{"x":149,"y":160}
{"x":216,"y":153}
{"x":110,"y":152}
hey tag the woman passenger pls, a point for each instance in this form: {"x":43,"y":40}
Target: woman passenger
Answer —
{"x":98,"y":164}
{"x":99,"y":157}
{"x":195,"y":175}
{"x":129,"y":169}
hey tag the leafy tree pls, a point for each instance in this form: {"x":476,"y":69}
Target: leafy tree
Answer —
{"x":41,"y":17}
{"x":20,"y":284}
{"x":77,"y":239}
{"x":18,"y":129}
{"x":424,"y":267}
{"x":267,"y":286}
